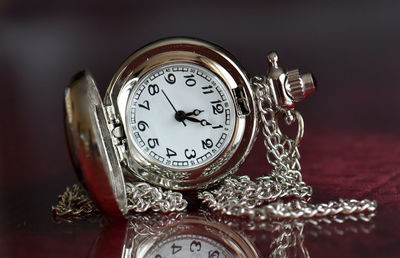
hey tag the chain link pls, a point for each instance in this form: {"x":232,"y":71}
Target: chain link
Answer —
{"x":283,"y":193}
{"x":142,"y":196}
{"x":75,"y":202}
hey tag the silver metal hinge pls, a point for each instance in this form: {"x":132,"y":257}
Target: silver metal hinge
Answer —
{"x":117,"y":132}
{"x":242,"y":101}
{"x":112,"y":118}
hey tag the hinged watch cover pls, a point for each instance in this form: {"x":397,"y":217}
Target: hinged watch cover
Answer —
{"x":91,"y":146}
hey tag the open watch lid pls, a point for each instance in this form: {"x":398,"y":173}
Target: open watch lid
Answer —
{"x":91,"y":146}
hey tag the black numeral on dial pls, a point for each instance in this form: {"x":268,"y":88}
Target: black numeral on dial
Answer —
{"x":176,"y":248}
{"x":171,"y":79}
{"x":217,"y":107}
{"x":207,"y":144}
{"x":207,"y":89}
{"x":142,"y":125}
{"x":189,"y":80}
{"x":170,"y":153}
{"x":145,"y":105}
{"x":153,"y":89}
{"x":152,"y":142}
{"x":195,"y":246}
{"x":190,"y":154}
{"x":213,"y":254}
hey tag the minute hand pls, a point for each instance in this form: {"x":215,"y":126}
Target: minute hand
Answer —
{"x":195,"y":112}
{"x":173,"y":107}
{"x":203,"y":122}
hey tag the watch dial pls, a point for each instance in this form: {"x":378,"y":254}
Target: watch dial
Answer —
{"x":180,"y":116}
{"x":184,"y":246}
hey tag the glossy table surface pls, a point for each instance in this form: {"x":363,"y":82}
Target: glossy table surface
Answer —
{"x":351,"y":147}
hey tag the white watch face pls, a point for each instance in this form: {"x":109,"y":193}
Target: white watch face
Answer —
{"x":185,"y":246}
{"x":180,"y":116}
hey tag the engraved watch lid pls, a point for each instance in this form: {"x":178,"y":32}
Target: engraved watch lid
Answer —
{"x":91,"y":146}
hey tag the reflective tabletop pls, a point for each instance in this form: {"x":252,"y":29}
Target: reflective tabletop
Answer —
{"x":351,"y":146}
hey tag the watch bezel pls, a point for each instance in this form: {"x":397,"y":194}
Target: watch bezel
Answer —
{"x":210,"y":57}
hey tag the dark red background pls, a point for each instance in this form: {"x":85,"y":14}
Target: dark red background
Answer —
{"x":352,"y":143}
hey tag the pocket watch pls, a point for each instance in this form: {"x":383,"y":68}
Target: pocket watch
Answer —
{"x":181,"y":115}
{"x":184,"y":112}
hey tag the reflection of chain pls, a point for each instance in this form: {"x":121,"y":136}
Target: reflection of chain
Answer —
{"x":289,"y":238}
{"x":288,"y":234}
{"x":144,"y":226}
{"x":151,"y":223}
{"x":240,"y":196}
{"x":328,"y":225}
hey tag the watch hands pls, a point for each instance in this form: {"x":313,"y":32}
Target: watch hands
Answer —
{"x":181,"y":116}
{"x":195,"y":112}
{"x":178,"y":114}
{"x":203,"y":122}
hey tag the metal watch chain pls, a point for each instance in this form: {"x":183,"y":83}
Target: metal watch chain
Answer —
{"x":265,"y":197}
{"x":280,"y":194}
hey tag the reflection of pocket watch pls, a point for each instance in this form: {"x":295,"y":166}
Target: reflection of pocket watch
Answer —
{"x":204,"y":235}
{"x":181,"y":114}
{"x":174,"y":235}
{"x":189,"y":236}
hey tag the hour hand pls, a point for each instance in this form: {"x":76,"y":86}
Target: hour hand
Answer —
{"x":195,"y":112}
{"x":203,"y":122}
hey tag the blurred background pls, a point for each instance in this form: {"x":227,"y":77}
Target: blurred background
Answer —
{"x":352,"y":47}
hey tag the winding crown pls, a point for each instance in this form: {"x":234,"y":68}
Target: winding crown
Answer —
{"x":299,"y":86}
